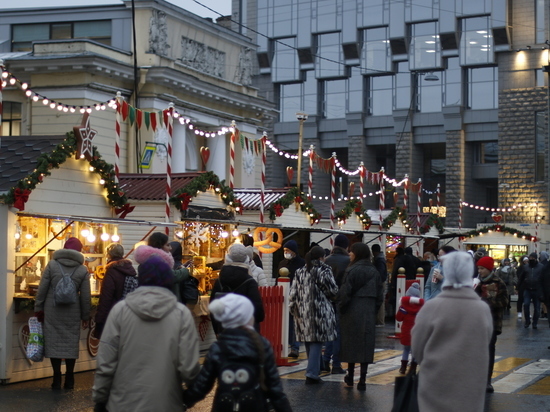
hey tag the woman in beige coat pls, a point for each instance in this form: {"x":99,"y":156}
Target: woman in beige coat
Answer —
{"x":62,"y":322}
{"x":450,"y":340}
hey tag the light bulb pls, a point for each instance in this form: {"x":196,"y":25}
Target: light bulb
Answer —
{"x":91,"y":238}
{"x":115,"y":238}
{"x":85,"y":232}
{"x":18,"y":235}
{"x":224,"y":234}
{"x":28,"y":236}
{"x":235,"y":233}
{"x":105,"y":236}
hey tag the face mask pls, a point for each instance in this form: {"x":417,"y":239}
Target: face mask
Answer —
{"x":288,"y":256}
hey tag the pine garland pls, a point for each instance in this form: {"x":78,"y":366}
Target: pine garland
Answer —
{"x":351,"y":206}
{"x":294,"y":196}
{"x":501,"y":229}
{"x":433,"y":220}
{"x":48,"y":161}
{"x":202,"y":183}
{"x":397,"y":213}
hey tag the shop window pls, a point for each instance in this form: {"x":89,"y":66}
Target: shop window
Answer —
{"x":11,"y":119}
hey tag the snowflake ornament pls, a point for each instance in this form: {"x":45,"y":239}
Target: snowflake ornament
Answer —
{"x":197,"y":235}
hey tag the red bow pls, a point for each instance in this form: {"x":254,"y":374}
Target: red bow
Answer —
{"x":185,"y":200}
{"x":21,"y":197}
{"x":278,"y":209}
{"x":124,"y":210}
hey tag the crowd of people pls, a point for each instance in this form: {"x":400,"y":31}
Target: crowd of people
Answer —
{"x":149,"y":345}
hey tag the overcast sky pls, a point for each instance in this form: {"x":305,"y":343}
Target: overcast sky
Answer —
{"x":221,"y":6}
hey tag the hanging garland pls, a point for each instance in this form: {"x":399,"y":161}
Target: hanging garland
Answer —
{"x":433,"y":220}
{"x":19,"y":193}
{"x":396,"y":213}
{"x":351,"y":206}
{"x":502,"y":229}
{"x":294,"y":196}
{"x":202,"y":183}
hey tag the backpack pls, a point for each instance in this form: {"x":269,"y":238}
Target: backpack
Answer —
{"x":64,"y":293}
{"x":130,"y":284}
{"x":189,"y":290}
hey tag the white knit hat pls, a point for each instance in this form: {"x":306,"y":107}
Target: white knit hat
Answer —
{"x":236,"y":254}
{"x":232,"y":310}
{"x":458,"y":269}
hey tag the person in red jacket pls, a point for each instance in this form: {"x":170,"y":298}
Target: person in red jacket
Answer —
{"x":409,"y":306}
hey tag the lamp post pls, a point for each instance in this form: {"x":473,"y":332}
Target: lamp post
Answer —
{"x":302,"y":117}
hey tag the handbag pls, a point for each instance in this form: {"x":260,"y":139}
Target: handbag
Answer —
{"x":35,"y":345}
{"x":405,"y":397}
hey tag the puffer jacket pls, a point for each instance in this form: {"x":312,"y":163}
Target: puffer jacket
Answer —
{"x":149,"y":347}
{"x":239,"y":346}
{"x":258,"y":274}
{"x":112,"y":288}
{"x":62,"y":322}
{"x":407,"y":314}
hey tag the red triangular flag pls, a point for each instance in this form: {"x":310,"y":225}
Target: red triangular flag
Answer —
{"x":139,"y":118}
{"x":125,"y":110}
{"x":153,"y":121}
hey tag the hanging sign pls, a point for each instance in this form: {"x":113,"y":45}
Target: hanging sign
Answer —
{"x":147,"y":157}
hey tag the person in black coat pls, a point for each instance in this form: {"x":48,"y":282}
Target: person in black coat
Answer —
{"x":234,"y":277}
{"x":243,"y":360}
{"x":531,"y":282}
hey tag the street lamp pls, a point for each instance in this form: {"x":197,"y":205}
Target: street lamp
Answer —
{"x":302,"y":117}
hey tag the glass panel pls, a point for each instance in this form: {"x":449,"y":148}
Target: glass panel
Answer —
{"x":476,"y":42}
{"x":430,"y":93}
{"x":473,"y":7}
{"x":425,"y":51}
{"x":539,"y":21}
{"x":326,"y":15}
{"x":329,"y":56}
{"x":285,"y":66}
{"x":61,"y":31}
{"x":92,"y":29}
{"x":335,"y":99}
{"x":420,"y":9}
{"x":290,"y":101}
{"x":309,"y":104}
{"x":453,"y":83}
{"x":402,"y":87}
{"x":381,"y":92}
{"x":483,"y":88}
{"x":355,"y":91}
{"x":489,"y":152}
{"x":540,"y":146}
{"x":376,"y":54}
{"x":30,"y":32}
{"x":281,"y":17}
{"x":540,"y":78}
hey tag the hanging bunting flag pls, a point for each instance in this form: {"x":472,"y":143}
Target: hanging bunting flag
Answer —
{"x":125,"y":108}
{"x":139,"y":118}
{"x":165,"y":115}
{"x":153,"y":121}
{"x":132,"y":115}
{"x":147,"y":119}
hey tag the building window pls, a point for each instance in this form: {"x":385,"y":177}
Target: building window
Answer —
{"x":376,"y":53}
{"x":486,"y":152}
{"x":540,"y":145}
{"x":24,"y":34}
{"x":402,"y":98}
{"x":430,"y":94}
{"x":380,"y":96}
{"x":329,"y":56}
{"x":11,"y":119}
{"x":540,"y":27}
{"x":298,"y":97}
{"x":452,"y":87}
{"x":476,"y":42}
{"x":540,"y":78}
{"x":425,"y":50}
{"x":483,"y":88}
{"x":355,"y":91}
{"x":286,"y":67}
{"x":334,"y":99}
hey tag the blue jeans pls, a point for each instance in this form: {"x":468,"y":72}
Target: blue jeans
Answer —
{"x":313,"y":350}
{"x":529,"y":295}
{"x":332,"y":350}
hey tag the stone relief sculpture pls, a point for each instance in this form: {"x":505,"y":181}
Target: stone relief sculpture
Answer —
{"x":202,"y":58}
{"x":158,"y":33}
{"x":243,"y":75}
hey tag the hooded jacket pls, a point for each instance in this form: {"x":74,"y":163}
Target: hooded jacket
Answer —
{"x":236,"y":346}
{"x":407,"y":314}
{"x":149,"y":347}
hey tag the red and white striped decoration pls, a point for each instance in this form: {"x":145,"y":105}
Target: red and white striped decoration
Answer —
{"x":232,"y":155}
{"x":332,"y":195}
{"x":1,"y":81}
{"x":262,"y":187}
{"x":406,"y":192}
{"x":310,"y":176}
{"x":438,"y":198}
{"x":118,"y":121}
{"x":169,"y":123}
{"x":460,"y":206}
{"x":419,"y":204}
{"x":382,"y":203}
{"x":361,"y":181}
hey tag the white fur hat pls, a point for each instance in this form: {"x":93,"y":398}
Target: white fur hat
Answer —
{"x":232,"y":310}
{"x":458,"y":269}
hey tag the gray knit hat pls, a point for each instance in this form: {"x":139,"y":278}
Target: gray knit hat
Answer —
{"x":413,"y":290}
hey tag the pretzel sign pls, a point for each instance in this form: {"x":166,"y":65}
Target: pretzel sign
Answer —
{"x":264,"y":239}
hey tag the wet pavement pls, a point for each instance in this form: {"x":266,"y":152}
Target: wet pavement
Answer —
{"x":521,"y":380}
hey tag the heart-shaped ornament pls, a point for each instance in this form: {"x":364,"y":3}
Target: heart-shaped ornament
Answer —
{"x":496,"y":217}
{"x":205,"y":154}
{"x":289,"y":174}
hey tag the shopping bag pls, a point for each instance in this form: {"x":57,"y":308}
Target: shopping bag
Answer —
{"x":35,"y":346}
{"x":405,"y":396}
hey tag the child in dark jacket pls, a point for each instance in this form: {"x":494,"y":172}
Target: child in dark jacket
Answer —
{"x":241,"y":360}
{"x":409,"y":306}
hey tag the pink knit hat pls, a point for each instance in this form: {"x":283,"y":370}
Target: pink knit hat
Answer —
{"x":74,"y":244}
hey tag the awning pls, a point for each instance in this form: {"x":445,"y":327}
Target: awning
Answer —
{"x":107,"y":220}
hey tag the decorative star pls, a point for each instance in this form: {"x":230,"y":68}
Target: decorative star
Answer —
{"x":84,"y":136}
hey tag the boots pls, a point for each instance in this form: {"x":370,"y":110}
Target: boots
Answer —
{"x":403,"y":368}
{"x":348,"y":379}
{"x":362,"y":384}
{"x":56,"y":366}
{"x":69,"y":373}
{"x":412,"y":369}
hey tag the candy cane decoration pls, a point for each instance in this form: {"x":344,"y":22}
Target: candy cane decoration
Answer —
{"x":118,"y":121}
{"x":262,"y":187}
{"x":310,"y":179}
{"x":460,"y":206}
{"x":419,"y":204}
{"x":406,"y":192}
{"x":332,"y":195}
{"x":438,"y":198}
{"x":361,"y":181}
{"x":170,"y":126}
{"x":382,"y":203}
{"x":232,"y":155}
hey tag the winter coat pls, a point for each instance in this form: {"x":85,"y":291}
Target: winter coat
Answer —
{"x":531,"y":279}
{"x":62,"y":322}
{"x":450,"y":379}
{"x":546,"y":283}
{"x":379,"y":263}
{"x":493,"y":291}
{"x":338,"y":260}
{"x":359,"y":299}
{"x":257,"y":274}
{"x":508,"y":275}
{"x":407,"y":314}
{"x":292,"y":265}
{"x":112,"y":288}
{"x":431,"y":288}
{"x":310,"y":303}
{"x":149,"y":347}
{"x":144,"y":252}
{"x":235,"y":278}
{"x":237,"y":346}
{"x":406,"y":262}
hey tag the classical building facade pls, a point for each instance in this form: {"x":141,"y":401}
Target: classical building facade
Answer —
{"x":453,"y":92}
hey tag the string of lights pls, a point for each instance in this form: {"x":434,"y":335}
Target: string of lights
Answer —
{"x":497,"y":209}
